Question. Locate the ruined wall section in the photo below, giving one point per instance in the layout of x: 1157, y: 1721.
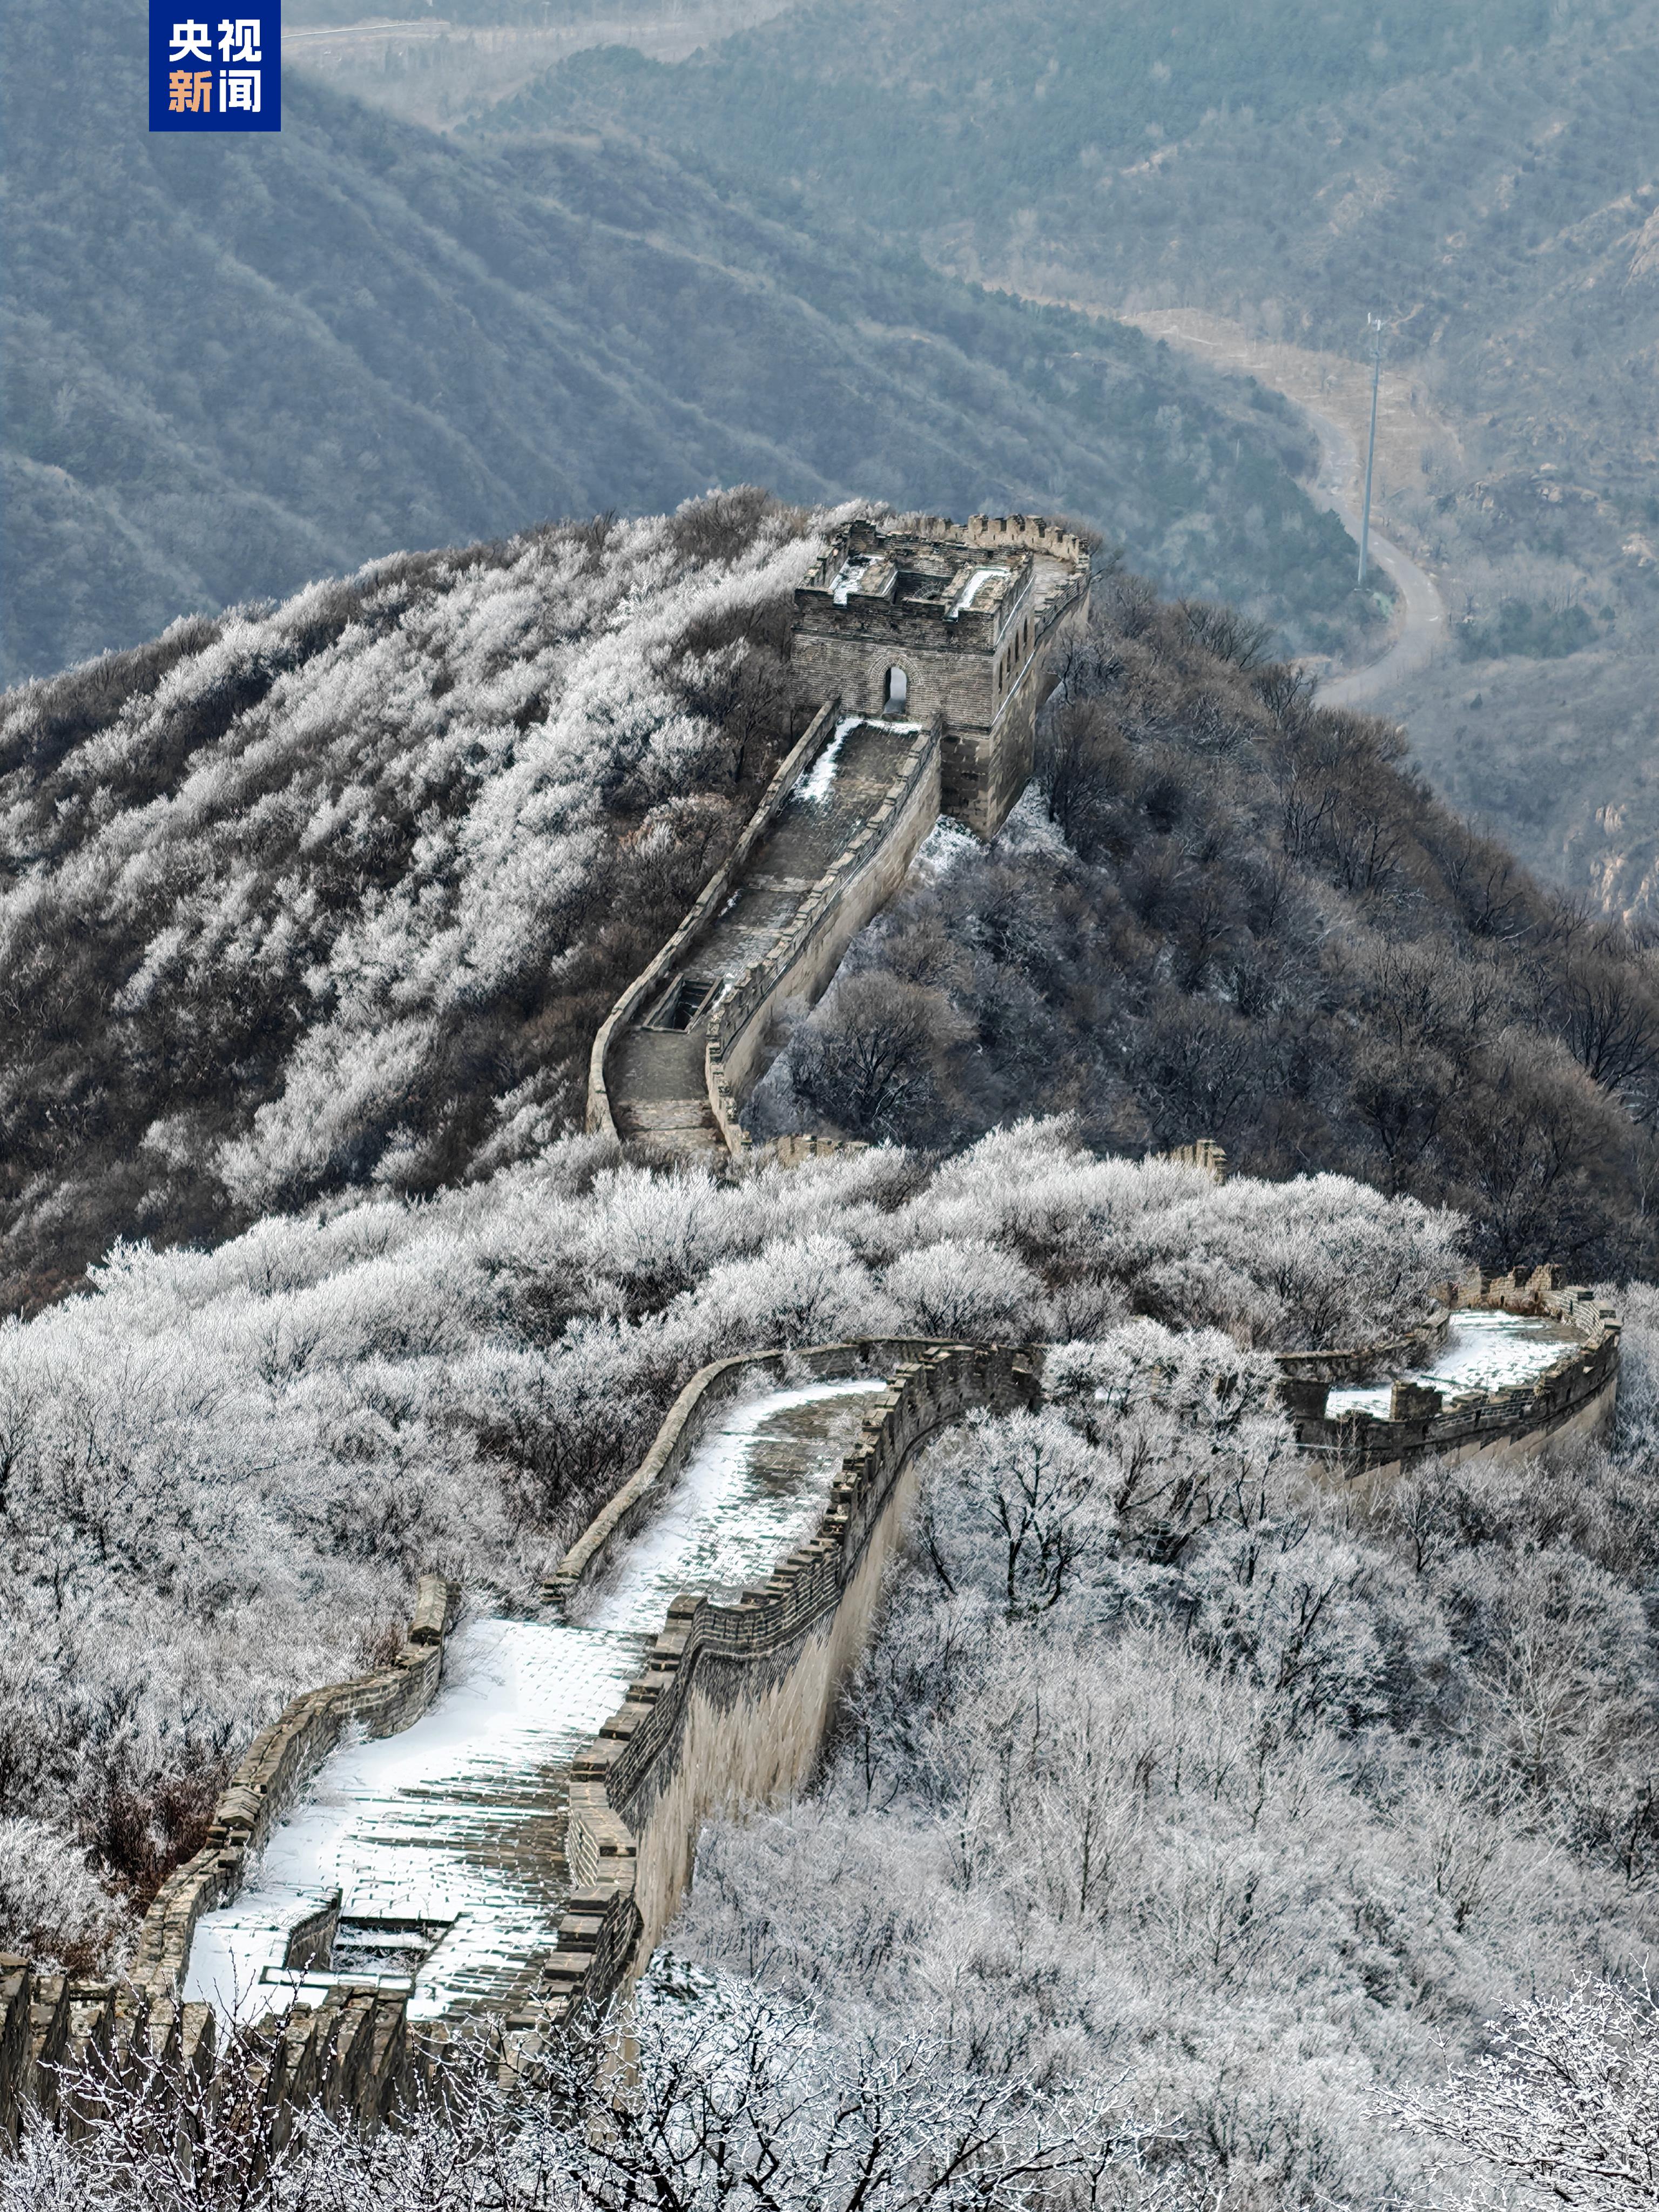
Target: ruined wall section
x: 735, y: 1701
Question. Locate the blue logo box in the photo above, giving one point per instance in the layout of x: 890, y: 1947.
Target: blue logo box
x: 213, y: 72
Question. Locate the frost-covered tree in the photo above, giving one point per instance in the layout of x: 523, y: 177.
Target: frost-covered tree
x: 1562, y: 2110
x: 722, y: 2101
x: 220, y: 1471
x: 333, y: 896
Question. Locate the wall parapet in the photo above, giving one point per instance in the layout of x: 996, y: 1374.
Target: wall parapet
x: 1575, y: 1395
x: 1359, y: 1362
x: 600, y: 1121
x: 818, y: 919
x: 61, y: 2040
x: 272, y: 1772
x: 627, y: 1771
x: 1036, y: 533
x: 352, y: 2051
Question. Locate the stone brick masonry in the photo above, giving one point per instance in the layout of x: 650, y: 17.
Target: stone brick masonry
x: 970, y: 618
x: 1575, y: 1396
x: 352, y: 2050
x: 730, y: 1708
x: 933, y: 644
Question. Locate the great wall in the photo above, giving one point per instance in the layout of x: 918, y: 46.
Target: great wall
x: 932, y: 646
x: 496, y: 1828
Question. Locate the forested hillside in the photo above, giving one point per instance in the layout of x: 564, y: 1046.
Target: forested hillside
x: 1189, y: 1805
x: 1485, y: 179
x: 225, y: 1470
x: 880, y: 106
x: 1224, y: 909
x: 336, y: 897
x: 1239, y: 1807
x: 233, y: 365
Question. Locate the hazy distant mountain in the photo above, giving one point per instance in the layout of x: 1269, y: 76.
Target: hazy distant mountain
x: 233, y: 364
x: 1003, y: 120
x: 1485, y: 178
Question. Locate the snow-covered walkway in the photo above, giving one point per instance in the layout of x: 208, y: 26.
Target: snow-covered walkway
x: 1482, y: 1351
x: 446, y: 1842
x: 658, y: 1082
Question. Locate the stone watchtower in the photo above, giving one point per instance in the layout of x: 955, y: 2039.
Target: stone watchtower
x: 919, y: 618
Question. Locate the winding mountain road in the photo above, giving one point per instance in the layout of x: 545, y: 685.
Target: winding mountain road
x: 1423, y: 627
x: 1295, y: 374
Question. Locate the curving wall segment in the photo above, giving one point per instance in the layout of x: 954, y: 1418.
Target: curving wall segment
x: 806, y: 948
x: 353, y: 2050
x: 831, y: 843
x: 1572, y: 1395
x: 601, y: 1119
x: 735, y: 1701
x: 752, y: 1688
x: 730, y: 1708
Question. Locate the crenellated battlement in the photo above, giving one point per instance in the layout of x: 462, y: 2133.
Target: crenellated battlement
x: 958, y: 625
x: 1574, y: 1395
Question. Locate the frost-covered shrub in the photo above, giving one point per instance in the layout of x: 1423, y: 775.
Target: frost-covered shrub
x: 1179, y: 1771
x: 729, y: 2100
x: 50, y: 1903
x: 224, y: 1469
x: 1560, y: 2111
x: 1339, y: 1265
x: 964, y: 1287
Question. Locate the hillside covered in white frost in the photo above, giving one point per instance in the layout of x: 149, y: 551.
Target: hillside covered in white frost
x: 336, y: 893
x: 1185, y: 1799
x: 224, y: 1469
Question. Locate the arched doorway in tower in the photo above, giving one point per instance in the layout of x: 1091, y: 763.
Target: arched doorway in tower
x: 896, y: 692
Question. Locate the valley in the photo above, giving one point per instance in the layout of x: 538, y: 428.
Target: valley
x: 829, y: 1223
x: 1333, y: 393
x: 1487, y: 184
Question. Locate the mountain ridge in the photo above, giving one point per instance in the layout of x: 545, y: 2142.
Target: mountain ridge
x: 258, y: 361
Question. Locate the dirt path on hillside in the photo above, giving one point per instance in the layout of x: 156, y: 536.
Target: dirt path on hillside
x: 1334, y: 393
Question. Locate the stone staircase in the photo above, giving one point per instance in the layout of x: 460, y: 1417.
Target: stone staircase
x: 657, y: 1076
x: 660, y: 1097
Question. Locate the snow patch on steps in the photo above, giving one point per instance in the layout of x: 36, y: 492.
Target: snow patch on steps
x: 460, y: 1819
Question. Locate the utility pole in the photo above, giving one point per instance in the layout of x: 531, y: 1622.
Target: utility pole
x: 1370, y: 451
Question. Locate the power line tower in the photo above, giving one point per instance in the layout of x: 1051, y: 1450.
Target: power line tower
x: 1372, y: 323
